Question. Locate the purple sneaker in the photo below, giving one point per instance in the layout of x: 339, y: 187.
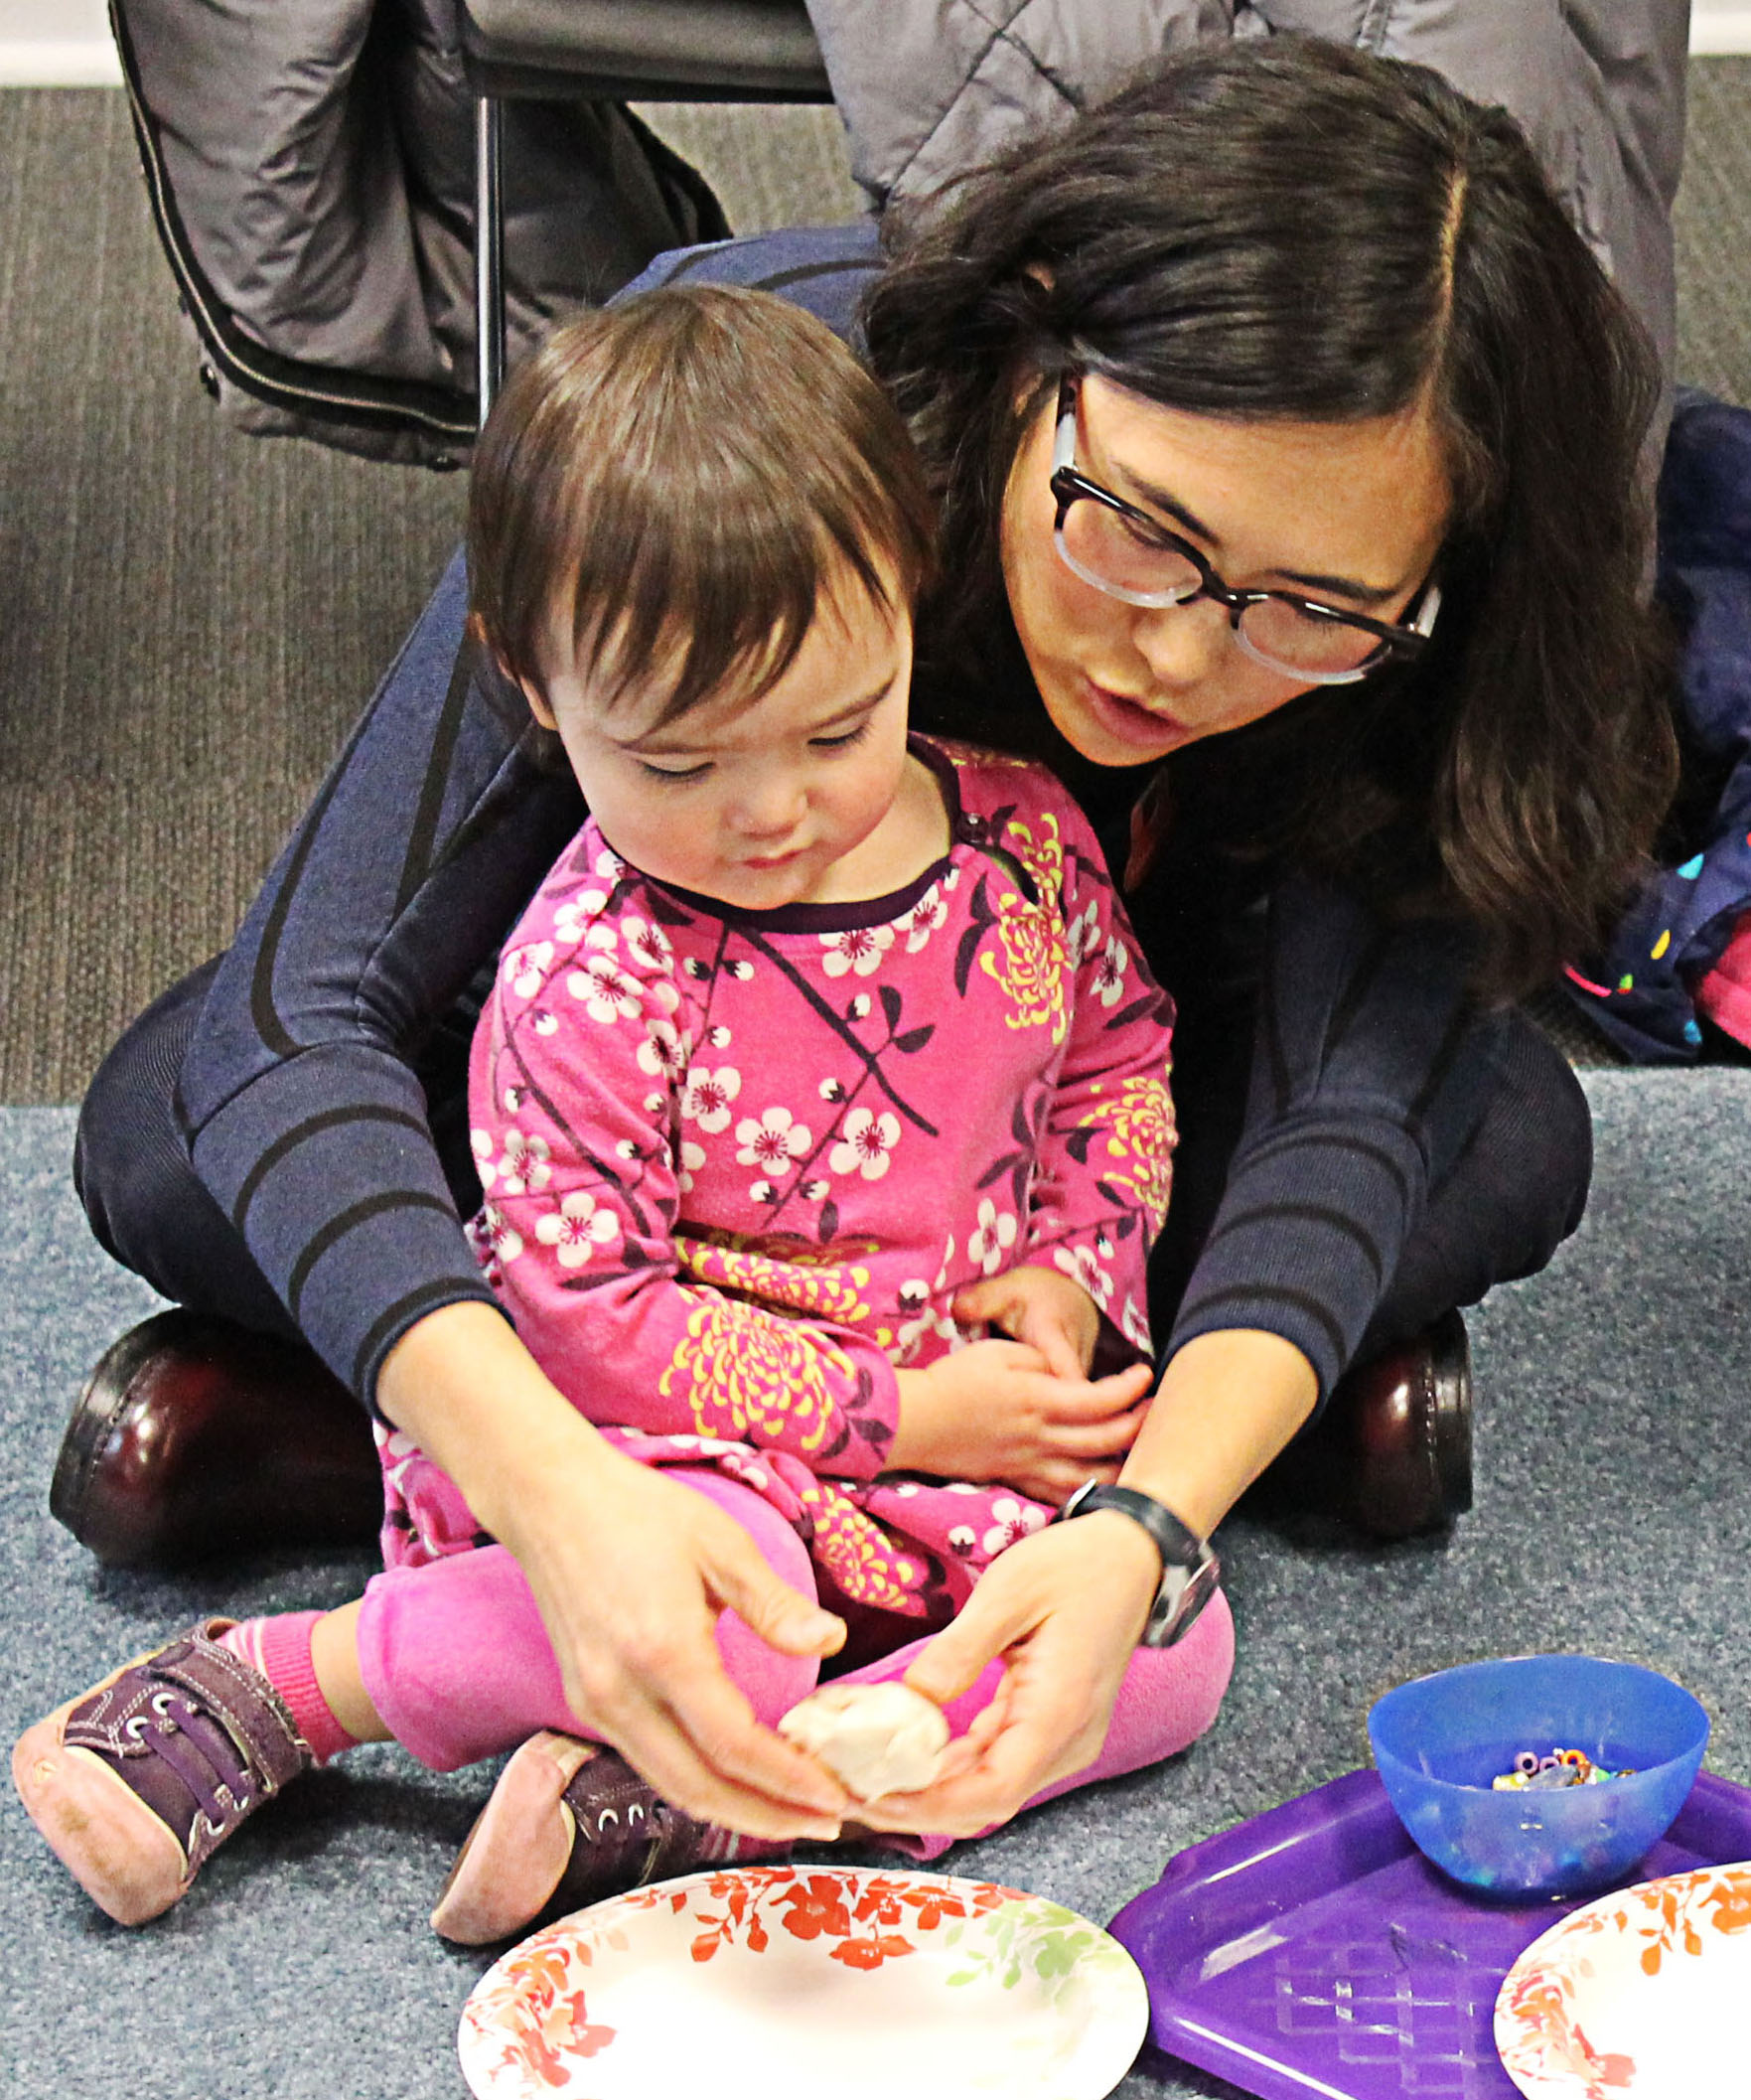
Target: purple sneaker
x: 136, y: 1782
x: 568, y: 1824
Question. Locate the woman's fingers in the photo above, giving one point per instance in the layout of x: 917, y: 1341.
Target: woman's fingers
x: 709, y: 1756
x: 743, y: 1583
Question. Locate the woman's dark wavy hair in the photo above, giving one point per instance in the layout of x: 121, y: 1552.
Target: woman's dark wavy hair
x: 1291, y: 229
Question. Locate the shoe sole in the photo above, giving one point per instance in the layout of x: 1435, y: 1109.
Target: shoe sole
x: 125, y: 1859
x: 517, y: 1854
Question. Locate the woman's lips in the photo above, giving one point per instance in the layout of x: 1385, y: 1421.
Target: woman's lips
x: 1131, y: 722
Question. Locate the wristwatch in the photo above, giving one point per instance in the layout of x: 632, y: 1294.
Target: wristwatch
x: 1190, y: 1570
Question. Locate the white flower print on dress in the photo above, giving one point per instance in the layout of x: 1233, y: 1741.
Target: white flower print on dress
x: 691, y: 1160
x: 664, y: 1052
x: 992, y: 1237
x: 916, y: 1298
x: 522, y: 1166
x: 576, y: 1228
x: 607, y: 993
x: 858, y: 948
x: 773, y: 1142
x: 525, y: 969
x: 708, y: 1095
x: 1080, y: 934
x: 648, y: 945
x: 1110, y: 973
x: 578, y: 912
x: 918, y: 925
x: 494, y: 1236
x: 1135, y: 1326
x: 1012, y: 1520
x: 1079, y: 1263
x: 865, y: 1141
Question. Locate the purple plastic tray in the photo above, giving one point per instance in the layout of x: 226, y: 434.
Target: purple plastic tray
x: 1313, y: 1951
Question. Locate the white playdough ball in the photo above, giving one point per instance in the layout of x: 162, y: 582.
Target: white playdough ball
x: 875, y: 1739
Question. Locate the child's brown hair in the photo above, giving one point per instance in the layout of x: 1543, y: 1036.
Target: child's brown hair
x: 674, y: 481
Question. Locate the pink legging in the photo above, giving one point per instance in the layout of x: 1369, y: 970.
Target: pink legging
x: 458, y: 1663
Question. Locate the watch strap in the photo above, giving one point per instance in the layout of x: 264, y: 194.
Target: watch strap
x: 1189, y: 1569
x: 1179, y: 1545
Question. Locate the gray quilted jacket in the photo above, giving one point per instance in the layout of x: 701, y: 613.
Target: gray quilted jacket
x: 310, y: 162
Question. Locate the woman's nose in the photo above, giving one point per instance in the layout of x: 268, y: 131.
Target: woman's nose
x: 1183, y: 645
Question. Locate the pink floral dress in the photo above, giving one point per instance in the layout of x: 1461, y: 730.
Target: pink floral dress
x: 737, y: 1164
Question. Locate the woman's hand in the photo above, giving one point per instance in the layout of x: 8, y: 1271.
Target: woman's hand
x: 629, y: 1572
x: 997, y: 1411
x: 1064, y: 1608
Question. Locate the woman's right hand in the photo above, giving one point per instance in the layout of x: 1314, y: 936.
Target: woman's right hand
x: 629, y: 1572
x: 996, y: 1410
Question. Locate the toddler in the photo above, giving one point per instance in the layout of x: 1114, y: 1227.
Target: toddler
x: 822, y: 1049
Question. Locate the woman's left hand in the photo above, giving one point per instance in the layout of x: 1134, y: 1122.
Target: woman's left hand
x: 1064, y: 1608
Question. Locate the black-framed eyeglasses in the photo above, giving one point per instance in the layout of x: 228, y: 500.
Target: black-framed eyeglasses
x: 1132, y: 556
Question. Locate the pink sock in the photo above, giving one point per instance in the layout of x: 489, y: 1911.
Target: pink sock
x: 280, y: 1648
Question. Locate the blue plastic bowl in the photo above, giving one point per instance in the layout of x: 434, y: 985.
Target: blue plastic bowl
x: 1439, y: 1740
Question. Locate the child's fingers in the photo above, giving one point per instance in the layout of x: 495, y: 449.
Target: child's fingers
x: 1052, y: 1340
x: 1083, y: 1400
x: 1110, y: 1437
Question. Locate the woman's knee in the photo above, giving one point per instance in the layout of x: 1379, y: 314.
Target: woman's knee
x: 1530, y: 1166
x: 130, y: 1163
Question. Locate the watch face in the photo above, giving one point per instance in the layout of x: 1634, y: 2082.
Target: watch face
x: 1183, y: 1594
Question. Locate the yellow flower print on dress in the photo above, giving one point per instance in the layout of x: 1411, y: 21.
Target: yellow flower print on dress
x: 830, y: 1292
x: 1032, y: 967
x: 1136, y: 1153
x: 859, y: 1555
x: 1043, y: 858
x: 752, y: 1376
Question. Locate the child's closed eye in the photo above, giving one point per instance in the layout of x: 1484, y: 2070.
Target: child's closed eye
x: 845, y: 738
x: 673, y: 773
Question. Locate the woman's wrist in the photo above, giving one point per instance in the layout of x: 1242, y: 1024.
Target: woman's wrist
x: 1226, y: 1405
x: 463, y: 1386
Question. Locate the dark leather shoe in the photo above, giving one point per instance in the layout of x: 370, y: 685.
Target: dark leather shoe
x: 193, y: 1436
x: 1392, y: 1453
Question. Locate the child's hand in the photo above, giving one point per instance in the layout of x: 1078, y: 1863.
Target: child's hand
x: 996, y: 1410
x: 1043, y: 1307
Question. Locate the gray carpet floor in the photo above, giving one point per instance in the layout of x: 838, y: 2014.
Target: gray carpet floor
x: 1613, y: 1511
x: 192, y: 620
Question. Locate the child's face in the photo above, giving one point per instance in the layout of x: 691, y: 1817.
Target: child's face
x: 753, y: 803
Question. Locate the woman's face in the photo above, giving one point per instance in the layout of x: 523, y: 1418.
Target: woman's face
x: 1352, y: 514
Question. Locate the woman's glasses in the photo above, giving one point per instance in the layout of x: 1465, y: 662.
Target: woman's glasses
x: 1130, y: 555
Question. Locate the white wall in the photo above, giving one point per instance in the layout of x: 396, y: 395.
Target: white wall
x: 66, y: 43
x: 1720, y: 25
x: 55, y: 44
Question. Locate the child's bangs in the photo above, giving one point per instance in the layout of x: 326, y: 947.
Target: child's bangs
x: 714, y: 603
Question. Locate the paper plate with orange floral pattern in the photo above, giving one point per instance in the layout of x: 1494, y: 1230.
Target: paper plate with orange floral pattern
x: 790, y: 1983
x: 1639, y: 1996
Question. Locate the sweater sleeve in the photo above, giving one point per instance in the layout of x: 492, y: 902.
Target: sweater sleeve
x: 299, y: 1095
x: 582, y: 1089
x: 1370, y: 1068
x: 1103, y: 1165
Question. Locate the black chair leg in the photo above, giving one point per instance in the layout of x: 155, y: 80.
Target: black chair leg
x: 488, y: 255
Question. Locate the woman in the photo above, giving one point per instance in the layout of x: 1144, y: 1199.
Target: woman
x: 1292, y: 537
